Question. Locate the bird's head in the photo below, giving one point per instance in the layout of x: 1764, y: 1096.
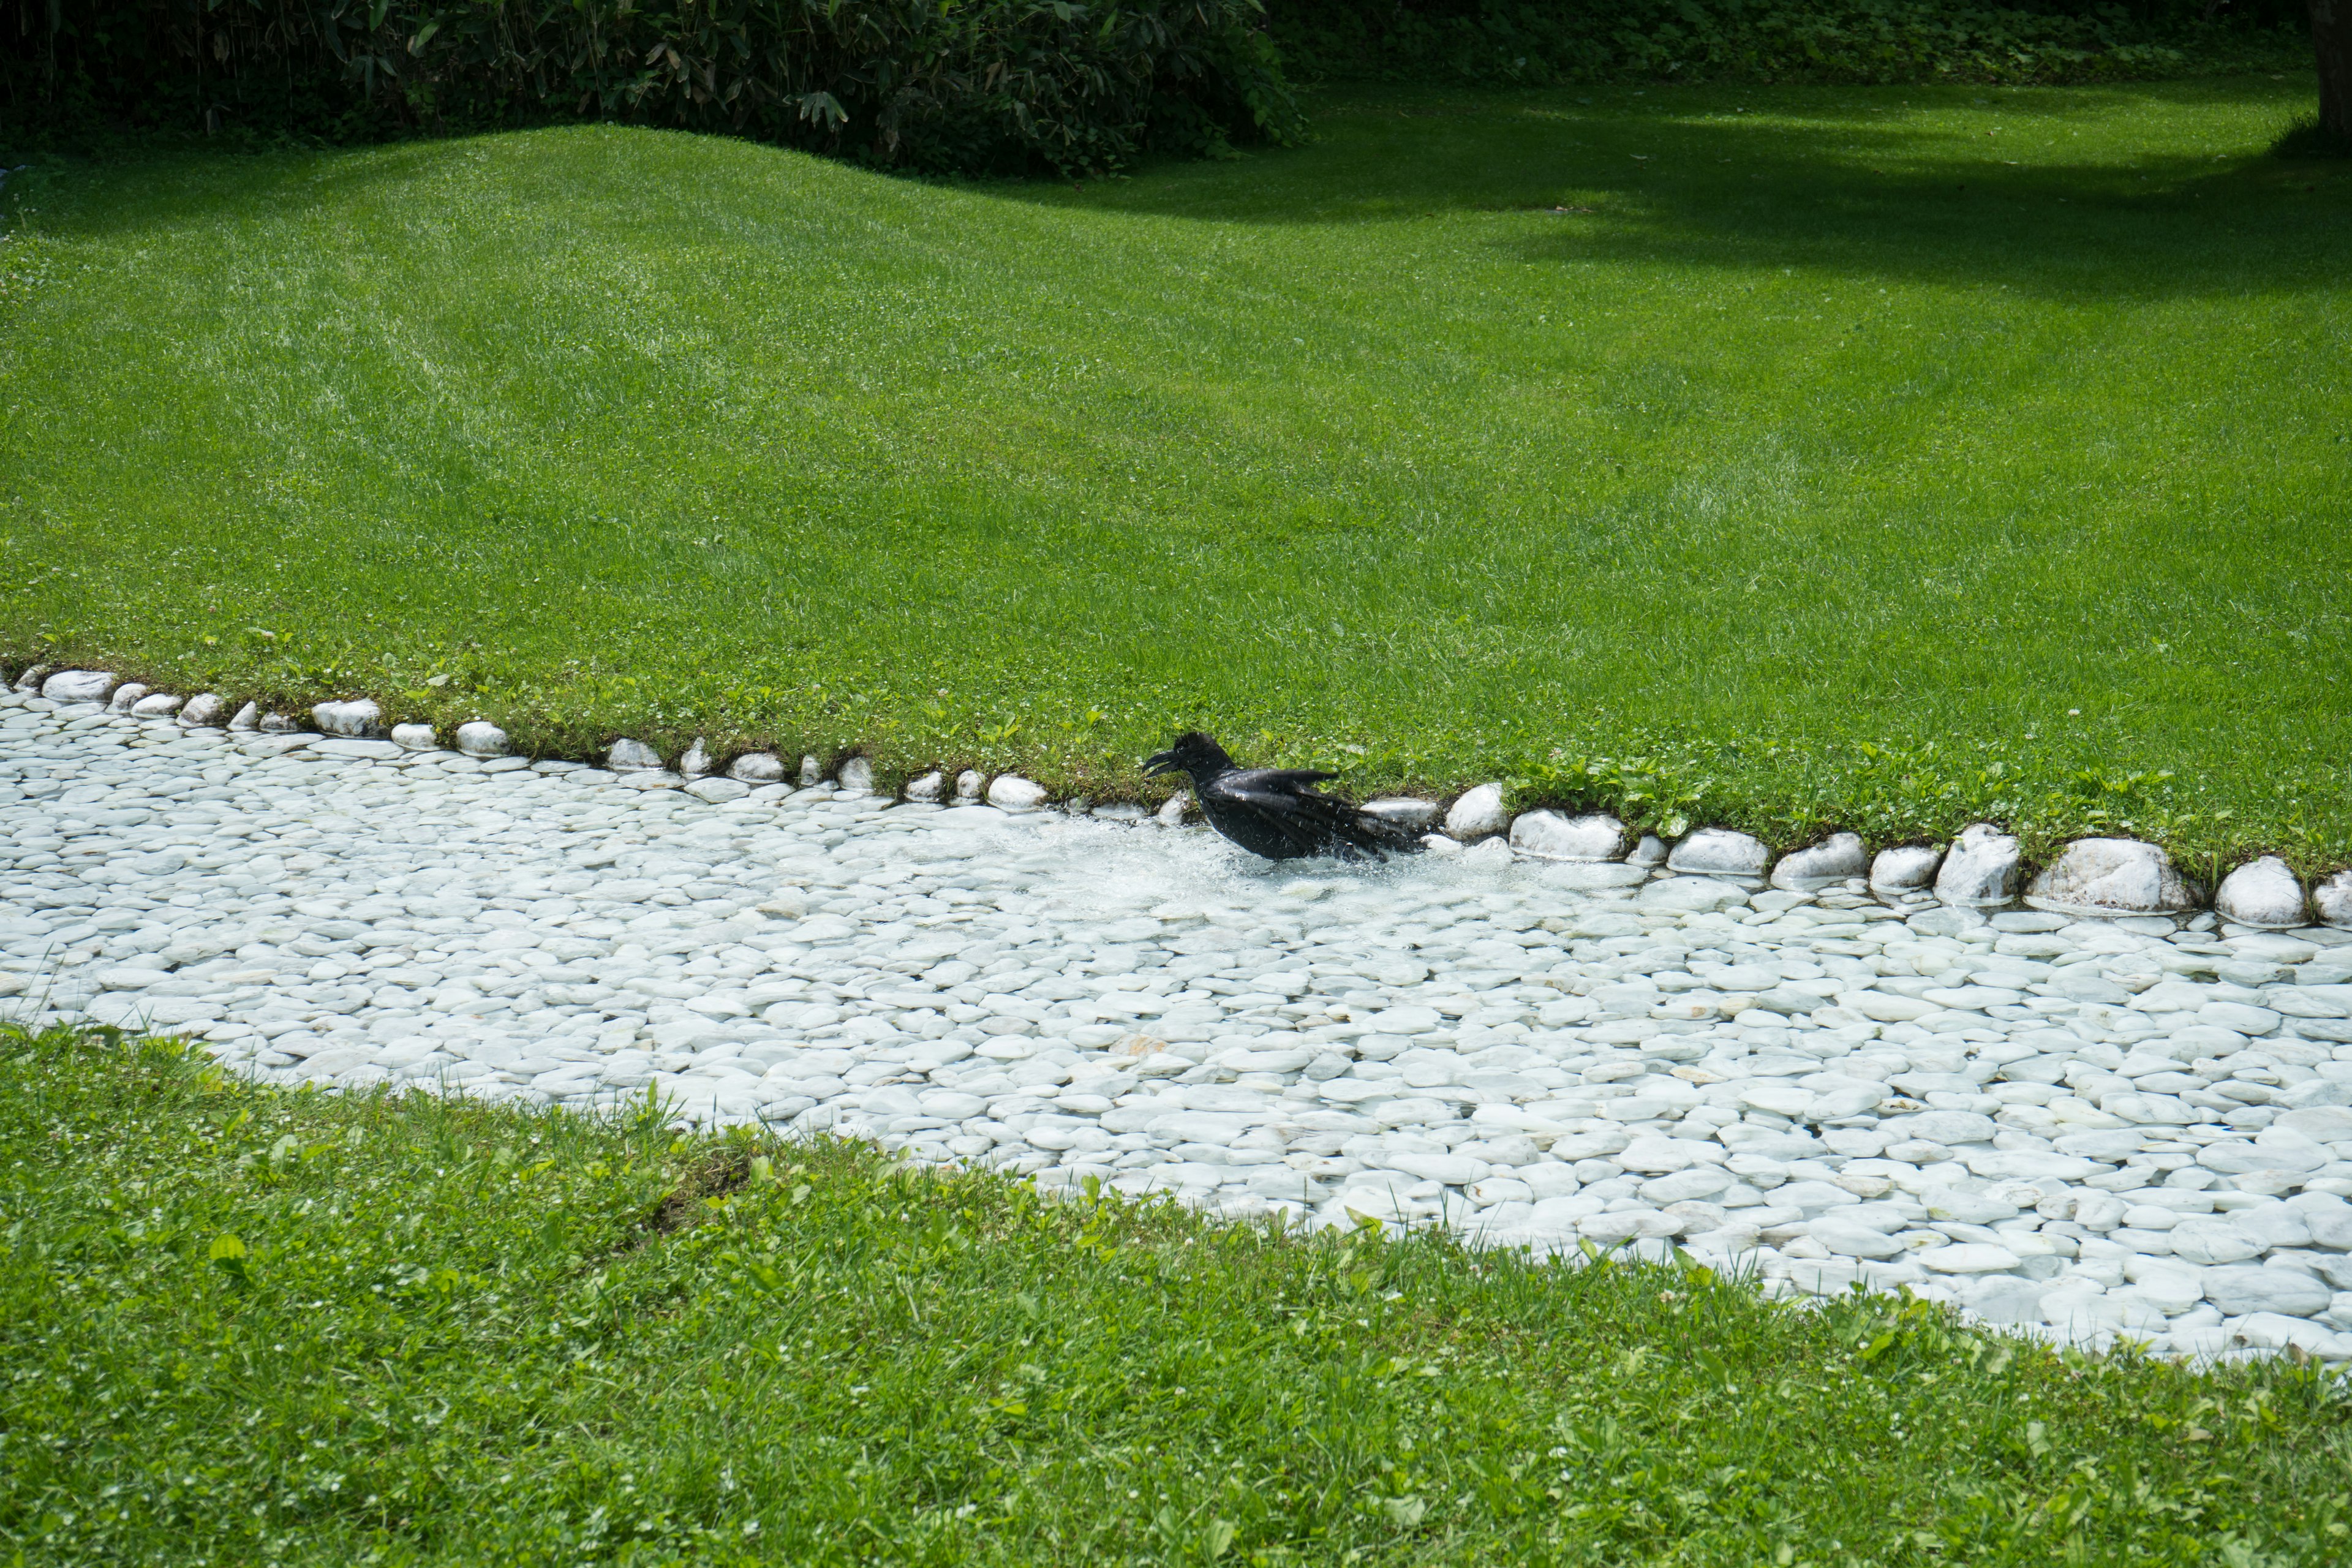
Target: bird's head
x: 1192, y: 753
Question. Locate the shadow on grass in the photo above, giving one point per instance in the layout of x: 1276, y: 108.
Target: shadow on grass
x: 1886, y: 183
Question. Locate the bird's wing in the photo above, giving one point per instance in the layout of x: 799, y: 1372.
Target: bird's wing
x: 1312, y: 823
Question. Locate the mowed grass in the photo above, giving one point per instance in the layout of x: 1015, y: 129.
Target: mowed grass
x: 249, y: 1327
x: 1878, y: 457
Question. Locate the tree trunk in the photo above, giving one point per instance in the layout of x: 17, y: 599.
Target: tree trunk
x: 2331, y: 37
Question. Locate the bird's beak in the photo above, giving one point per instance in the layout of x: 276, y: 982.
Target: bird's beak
x: 1159, y: 762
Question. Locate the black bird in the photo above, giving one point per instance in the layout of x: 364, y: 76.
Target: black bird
x: 1271, y: 812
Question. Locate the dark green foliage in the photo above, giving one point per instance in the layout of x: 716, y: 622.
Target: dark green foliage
x: 969, y: 86
x: 241, y: 1327
x: 1540, y: 42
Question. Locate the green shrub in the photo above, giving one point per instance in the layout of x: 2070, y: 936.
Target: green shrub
x: 1536, y: 42
x: 965, y: 86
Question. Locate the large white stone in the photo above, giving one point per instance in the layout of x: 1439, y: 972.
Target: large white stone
x: 2239, y: 1288
x: 1980, y: 868
x: 1010, y: 792
x: 33, y: 677
x: 1549, y: 836
x: 1906, y: 869
x: 1720, y: 852
x: 246, y: 717
x: 756, y: 768
x: 929, y: 786
x: 480, y: 738
x: 205, y: 710
x: 2112, y: 876
x: 78, y: 685
x: 2332, y: 898
x: 694, y: 764
x: 1479, y: 814
x: 126, y: 696
x: 811, y: 772
x: 627, y: 756
x: 2264, y: 892
x: 414, y: 737
x: 157, y: 705
x: 1836, y: 858
x: 359, y: 718
x: 856, y: 776
x: 1403, y: 810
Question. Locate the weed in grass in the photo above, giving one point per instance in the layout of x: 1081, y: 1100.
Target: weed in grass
x: 245, y: 1325
x: 1862, y: 457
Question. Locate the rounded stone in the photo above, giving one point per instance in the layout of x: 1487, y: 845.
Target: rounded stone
x: 1837, y: 859
x: 1906, y: 869
x: 1720, y: 852
x: 156, y: 705
x: 929, y: 786
x: 1403, y: 810
x: 2265, y: 893
x: 2112, y: 876
x: 480, y: 738
x: 856, y: 776
x: 1479, y: 814
x: 756, y: 768
x: 694, y: 764
x: 627, y: 756
x: 1979, y: 871
x: 414, y: 737
x: 2332, y: 898
x: 359, y: 718
x: 78, y: 685
x: 205, y: 710
x: 126, y: 696
x: 1549, y: 836
x: 811, y: 772
x: 968, y: 785
x: 1010, y: 792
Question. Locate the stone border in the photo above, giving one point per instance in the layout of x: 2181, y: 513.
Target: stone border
x: 1981, y: 870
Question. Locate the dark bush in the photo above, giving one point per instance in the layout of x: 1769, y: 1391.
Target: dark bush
x: 1534, y: 42
x: 967, y: 86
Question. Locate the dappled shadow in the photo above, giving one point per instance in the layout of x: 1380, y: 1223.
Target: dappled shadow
x: 2040, y: 191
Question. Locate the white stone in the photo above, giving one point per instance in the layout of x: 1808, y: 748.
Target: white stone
x: 205, y: 710
x: 246, y: 717
x: 1549, y: 836
x: 856, y: 776
x: 811, y: 772
x: 1010, y: 792
x: 1837, y: 859
x: 125, y: 697
x: 929, y: 786
x: 1980, y: 869
x: 2235, y: 1289
x: 968, y: 785
x: 359, y: 718
x: 1720, y: 852
x: 1689, y: 895
x: 78, y: 685
x: 1403, y: 810
x: 2263, y: 893
x: 693, y: 765
x: 1968, y: 1257
x: 2112, y: 876
x: 1479, y: 814
x: 627, y: 756
x: 1172, y: 811
x: 157, y: 705
x: 32, y: 677
x: 480, y: 738
x: 756, y: 768
x: 1906, y: 868
x: 414, y: 737
x: 2331, y: 898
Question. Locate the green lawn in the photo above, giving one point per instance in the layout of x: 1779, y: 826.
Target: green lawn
x: 1875, y: 456
x: 248, y: 1327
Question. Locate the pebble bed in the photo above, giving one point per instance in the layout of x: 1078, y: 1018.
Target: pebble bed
x: 2088, y: 1128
